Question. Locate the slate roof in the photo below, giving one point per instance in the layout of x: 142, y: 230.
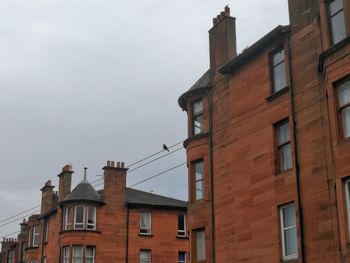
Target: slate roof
x: 83, y: 192
x: 203, y: 83
x: 139, y: 198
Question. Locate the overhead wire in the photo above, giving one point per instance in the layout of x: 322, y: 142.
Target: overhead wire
x: 97, y: 180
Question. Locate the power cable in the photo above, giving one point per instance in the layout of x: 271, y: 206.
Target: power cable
x: 97, y: 180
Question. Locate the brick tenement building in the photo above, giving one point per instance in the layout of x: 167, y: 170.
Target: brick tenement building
x: 116, y: 224
x: 268, y: 145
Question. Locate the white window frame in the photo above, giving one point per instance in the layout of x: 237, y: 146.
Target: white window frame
x: 93, y: 254
x: 198, y: 182
x: 79, y: 258
x: 68, y: 218
x: 147, y: 252
x: 75, y: 218
x: 91, y: 226
x: 36, y: 234
x: 181, y: 232
x: 146, y: 230
x: 182, y: 261
x: 283, y: 229
x: 197, y: 115
x: 66, y: 254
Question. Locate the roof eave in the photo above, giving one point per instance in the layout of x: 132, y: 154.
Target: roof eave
x: 266, y: 40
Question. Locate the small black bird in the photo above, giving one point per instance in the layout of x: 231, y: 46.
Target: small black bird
x: 165, y: 148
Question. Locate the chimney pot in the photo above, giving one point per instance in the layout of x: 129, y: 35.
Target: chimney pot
x: 122, y: 164
x: 227, y: 10
x: 67, y: 168
x: 112, y: 164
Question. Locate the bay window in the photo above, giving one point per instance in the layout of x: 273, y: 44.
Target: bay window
x: 84, y: 217
x: 198, y: 180
x: 197, y: 117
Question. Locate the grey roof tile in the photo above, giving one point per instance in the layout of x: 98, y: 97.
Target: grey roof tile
x: 83, y: 192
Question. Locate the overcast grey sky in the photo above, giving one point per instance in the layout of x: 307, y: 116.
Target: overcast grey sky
x: 85, y: 81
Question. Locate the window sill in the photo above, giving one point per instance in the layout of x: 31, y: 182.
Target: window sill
x: 145, y: 235
x: 80, y: 230
x: 292, y: 260
x: 277, y: 94
x: 331, y: 51
x: 182, y: 237
x: 284, y: 172
x: 195, y: 137
x: 33, y: 247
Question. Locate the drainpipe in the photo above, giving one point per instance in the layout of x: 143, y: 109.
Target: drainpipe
x: 296, y: 157
x: 211, y: 175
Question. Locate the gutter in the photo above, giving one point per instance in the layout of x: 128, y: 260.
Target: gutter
x: 296, y: 156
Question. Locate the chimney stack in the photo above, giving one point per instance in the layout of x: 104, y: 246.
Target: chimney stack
x: 46, y: 197
x: 65, y: 182
x: 222, y: 40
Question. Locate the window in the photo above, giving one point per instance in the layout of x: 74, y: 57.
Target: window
x: 44, y: 259
x: 344, y: 108
x: 197, y: 117
x: 35, y: 238
x: 10, y: 256
x: 90, y: 255
x: 347, y: 200
x: 199, y: 236
x: 145, y: 256
x: 181, y: 225
x: 336, y: 21
x: 278, y: 71
x: 23, y: 252
x: 80, y: 254
x: 66, y: 254
x: 145, y: 223
x: 91, y: 218
x: 182, y: 257
x: 199, y: 180
x: 77, y: 254
x: 84, y: 217
x: 68, y: 218
x: 79, y: 217
x: 288, y: 232
x: 46, y: 233
x: 283, y: 146
x: 34, y: 261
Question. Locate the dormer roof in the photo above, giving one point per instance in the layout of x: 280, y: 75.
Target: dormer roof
x: 83, y: 192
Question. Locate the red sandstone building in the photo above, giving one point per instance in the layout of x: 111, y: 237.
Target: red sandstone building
x: 116, y: 224
x: 268, y: 145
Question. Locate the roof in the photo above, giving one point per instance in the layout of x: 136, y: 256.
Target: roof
x: 254, y: 49
x: 203, y: 83
x: 139, y: 198
x: 83, y: 192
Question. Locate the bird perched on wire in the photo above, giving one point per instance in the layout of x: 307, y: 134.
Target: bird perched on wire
x: 165, y: 148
